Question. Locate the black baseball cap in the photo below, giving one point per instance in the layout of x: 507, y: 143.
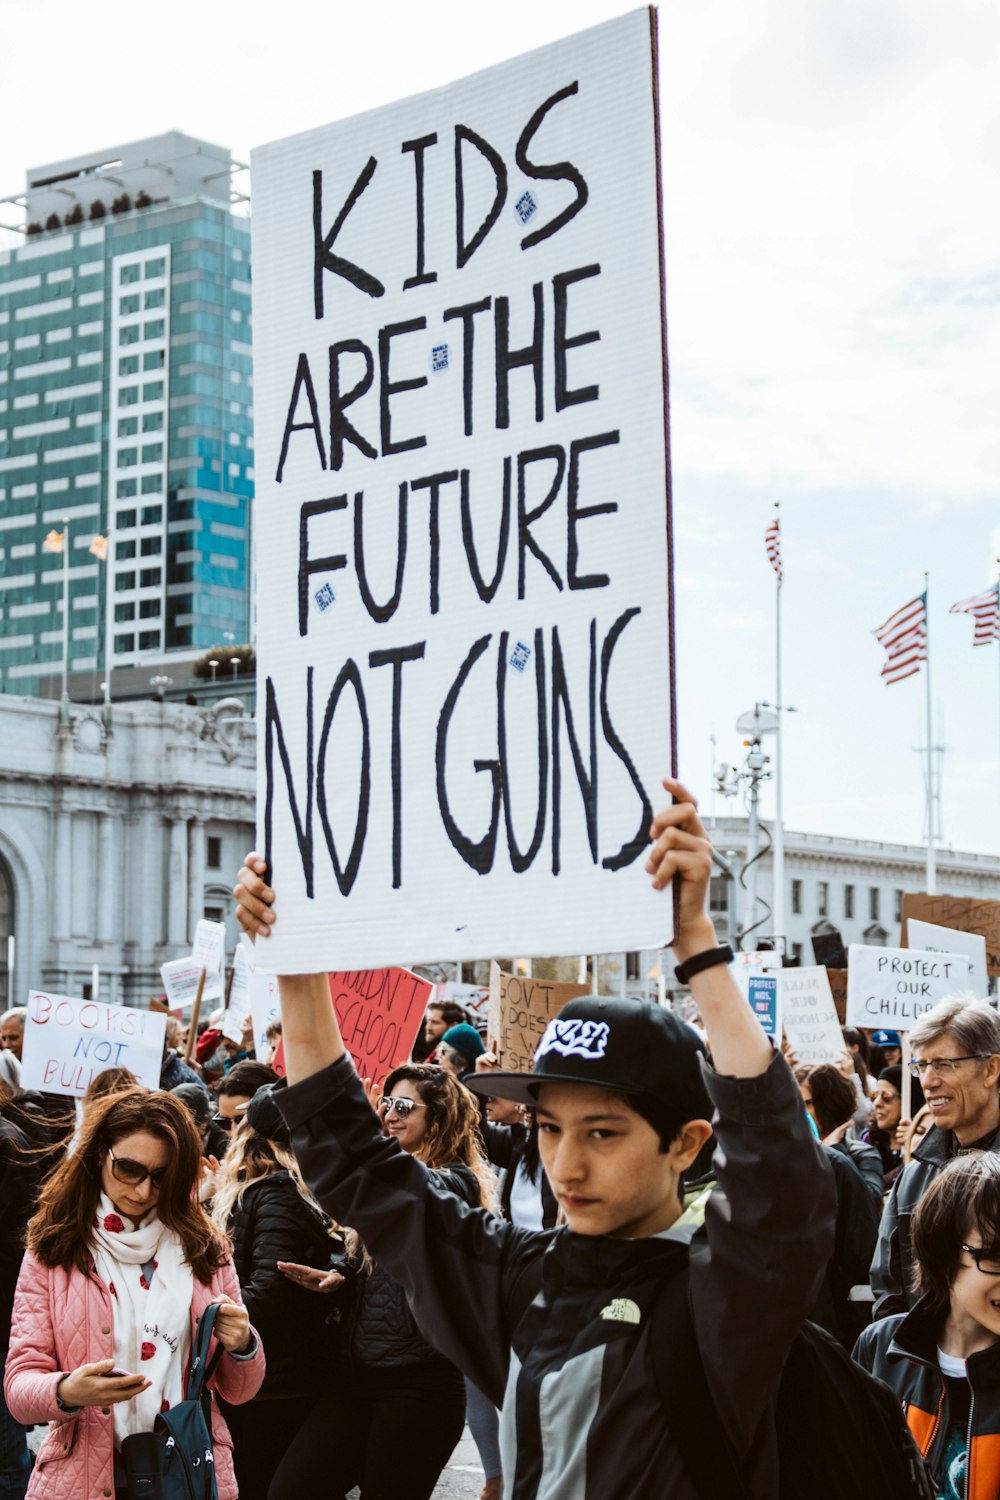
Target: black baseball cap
x: 631, y: 1046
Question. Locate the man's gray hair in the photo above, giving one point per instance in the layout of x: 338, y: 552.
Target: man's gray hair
x: 972, y: 1022
x: 16, y: 1013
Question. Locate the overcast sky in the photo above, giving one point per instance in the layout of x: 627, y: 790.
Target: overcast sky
x: 832, y: 211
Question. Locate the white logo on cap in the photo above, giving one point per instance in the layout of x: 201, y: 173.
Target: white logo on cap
x: 575, y: 1039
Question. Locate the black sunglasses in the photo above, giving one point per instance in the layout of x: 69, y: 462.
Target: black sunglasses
x: 123, y: 1169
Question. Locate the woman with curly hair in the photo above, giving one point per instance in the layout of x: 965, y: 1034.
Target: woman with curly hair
x: 121, y: 1262
x: 398, y: 1395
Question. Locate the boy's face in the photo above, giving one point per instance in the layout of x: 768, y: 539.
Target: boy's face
x: 604, y: 1161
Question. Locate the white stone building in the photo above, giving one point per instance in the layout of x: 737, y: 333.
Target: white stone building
x: 833, y: 884
x: 112, y: 846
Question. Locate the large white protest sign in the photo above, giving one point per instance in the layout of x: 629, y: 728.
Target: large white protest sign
x: 892, y: 987
x: 464, y: 592
x: 67, y: 1042
x: 809, y: 1016
x: 937, y: 939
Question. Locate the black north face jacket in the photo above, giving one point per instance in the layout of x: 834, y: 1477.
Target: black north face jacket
x: 555, y: 1327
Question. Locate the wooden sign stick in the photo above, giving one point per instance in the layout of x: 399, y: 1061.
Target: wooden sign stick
x: 195, y: 1011
x: 905, y: 1091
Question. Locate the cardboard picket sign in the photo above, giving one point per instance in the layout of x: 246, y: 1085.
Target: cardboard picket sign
x: 380, y: 1012
x: 893, y: 987
x: 525, y: 1008
x: 67, y: 1042
x: 465, y: 604
x: 935, y: 939
x: 809, y: 1016
x: 962, y: 913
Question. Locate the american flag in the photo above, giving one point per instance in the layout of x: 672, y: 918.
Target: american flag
x: 904, y: 636
x: 985, y: 610
x: 772, y: 541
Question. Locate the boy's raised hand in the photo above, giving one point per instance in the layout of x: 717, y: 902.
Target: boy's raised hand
x: 682, y: 851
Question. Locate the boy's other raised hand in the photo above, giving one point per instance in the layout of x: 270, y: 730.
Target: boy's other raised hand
x: 254, y: 897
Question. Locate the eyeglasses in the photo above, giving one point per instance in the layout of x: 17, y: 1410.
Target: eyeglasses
x: 987, y: 1259
x: 228, y: 1121
x: 403, y: 1107
x: 943, y: 1065
x: 123, y: 1169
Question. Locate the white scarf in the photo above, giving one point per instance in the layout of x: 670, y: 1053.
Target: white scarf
x: 152, y: 1319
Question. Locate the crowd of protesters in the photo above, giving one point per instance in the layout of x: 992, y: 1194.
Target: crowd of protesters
x: 525, y: 1253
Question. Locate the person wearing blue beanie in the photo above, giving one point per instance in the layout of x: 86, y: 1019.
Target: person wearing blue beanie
x: 458, y: 1049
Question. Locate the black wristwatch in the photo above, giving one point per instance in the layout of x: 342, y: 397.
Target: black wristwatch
x: 699, y: 961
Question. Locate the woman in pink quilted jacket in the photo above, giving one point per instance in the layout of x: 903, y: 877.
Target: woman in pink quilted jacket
x: 122, y: 1259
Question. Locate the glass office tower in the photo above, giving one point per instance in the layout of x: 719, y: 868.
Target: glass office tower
x: 125, y: 414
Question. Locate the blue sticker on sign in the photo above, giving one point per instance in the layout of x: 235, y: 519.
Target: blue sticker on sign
x: 324, y: 597
x: 439, y: 359
x: 519, y: 656
x: 526, y: 206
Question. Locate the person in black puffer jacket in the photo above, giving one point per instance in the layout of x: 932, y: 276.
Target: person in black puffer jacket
x: 262, y: 1205
x: 402, y: 1397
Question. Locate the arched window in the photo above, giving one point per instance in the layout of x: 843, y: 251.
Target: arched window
x: 6, y: 933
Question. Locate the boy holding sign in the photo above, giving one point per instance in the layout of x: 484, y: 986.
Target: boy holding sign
x: 623, y: 1097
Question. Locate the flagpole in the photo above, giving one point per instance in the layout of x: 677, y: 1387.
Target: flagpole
x: 65, y: 620
x: 997, y: 587
x: 107, y: 620
x: 778, y: 852
x: 931, y: 880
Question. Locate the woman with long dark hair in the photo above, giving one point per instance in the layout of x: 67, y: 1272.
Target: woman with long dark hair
x: 399, y: 1396
x: 121, y: 1262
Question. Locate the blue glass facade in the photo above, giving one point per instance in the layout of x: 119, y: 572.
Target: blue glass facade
x: 125, y: 408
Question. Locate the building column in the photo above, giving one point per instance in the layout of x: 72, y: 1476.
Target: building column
x: 62, y: 883
x: 105, y: 879
x: 177, y: 883
x: 196, y: 897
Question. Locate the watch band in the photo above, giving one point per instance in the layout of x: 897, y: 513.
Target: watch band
x: 700, y: 961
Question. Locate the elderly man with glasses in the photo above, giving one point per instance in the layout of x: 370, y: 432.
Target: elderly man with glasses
x: 956, y: 1056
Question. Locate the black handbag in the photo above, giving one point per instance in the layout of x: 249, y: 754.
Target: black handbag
x: 175, y: 1460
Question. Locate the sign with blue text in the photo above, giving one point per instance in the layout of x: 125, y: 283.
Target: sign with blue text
x: 67, y: 1042
x: 762, y: 992
x: 464, y: 596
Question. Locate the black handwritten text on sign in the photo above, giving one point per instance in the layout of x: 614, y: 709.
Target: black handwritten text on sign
x: 464, y: 590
